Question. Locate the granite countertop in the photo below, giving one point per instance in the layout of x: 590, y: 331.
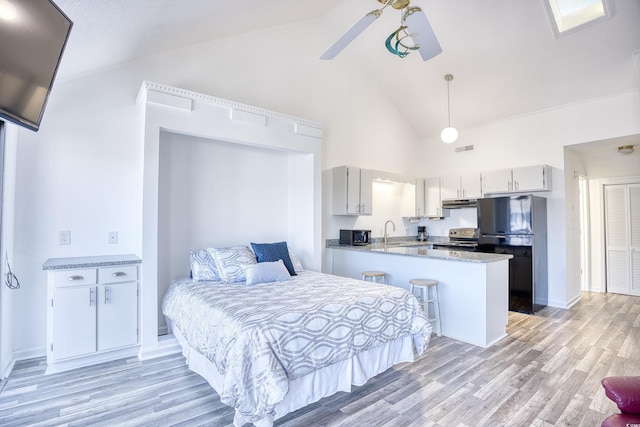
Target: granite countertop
x: 423, y: 250
x: 90, y: 261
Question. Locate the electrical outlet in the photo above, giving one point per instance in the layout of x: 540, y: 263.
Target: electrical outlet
x: 113, y: 237
x: 65, y: 237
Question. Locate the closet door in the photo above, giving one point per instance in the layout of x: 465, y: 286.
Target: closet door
x: 622, y: 238
x: 634, y: 222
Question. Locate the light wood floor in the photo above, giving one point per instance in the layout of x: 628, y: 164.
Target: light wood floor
x: 547, y: 372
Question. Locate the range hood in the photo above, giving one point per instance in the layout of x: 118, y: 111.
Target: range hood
x: 459, y: 203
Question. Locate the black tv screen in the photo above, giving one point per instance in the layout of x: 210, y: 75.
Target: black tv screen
x: 33, y: 35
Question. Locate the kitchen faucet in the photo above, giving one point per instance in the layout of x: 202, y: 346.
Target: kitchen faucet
x: 386, y: 234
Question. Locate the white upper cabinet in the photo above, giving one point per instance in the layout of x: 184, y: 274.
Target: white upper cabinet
x: 433, y: 198
x: 517, y: 180
x: 413, y: 199
x: 461, y: 186
x: 352, y: 191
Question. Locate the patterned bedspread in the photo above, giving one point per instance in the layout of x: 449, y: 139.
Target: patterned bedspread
x: 261, y: 336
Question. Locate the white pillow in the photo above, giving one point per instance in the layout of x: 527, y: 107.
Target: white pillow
x: 265, y: 272
x: 297, y: 265
x: 229, y: 262
x: 203, y: 267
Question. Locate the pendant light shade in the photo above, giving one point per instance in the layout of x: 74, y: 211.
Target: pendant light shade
x: 449, y: 134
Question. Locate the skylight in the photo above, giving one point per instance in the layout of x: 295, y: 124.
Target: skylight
x: 567, y: 15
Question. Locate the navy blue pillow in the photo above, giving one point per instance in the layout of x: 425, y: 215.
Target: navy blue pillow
x: 270, y: 252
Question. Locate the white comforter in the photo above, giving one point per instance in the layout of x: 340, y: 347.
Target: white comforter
x: 261, y: 336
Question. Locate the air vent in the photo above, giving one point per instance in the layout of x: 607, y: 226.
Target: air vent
x: 465, y: 148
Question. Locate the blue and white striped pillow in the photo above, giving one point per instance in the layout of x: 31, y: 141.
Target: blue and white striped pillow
x: 229, y: 262
x: 203, y: 267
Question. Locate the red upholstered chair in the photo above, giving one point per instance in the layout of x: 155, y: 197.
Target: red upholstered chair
x: 625, y: 392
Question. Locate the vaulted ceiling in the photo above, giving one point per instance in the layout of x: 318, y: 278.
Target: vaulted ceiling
x: 503, y: 54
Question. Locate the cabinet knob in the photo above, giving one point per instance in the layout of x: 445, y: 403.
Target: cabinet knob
x: 119, y: 274
x: 74, y: 278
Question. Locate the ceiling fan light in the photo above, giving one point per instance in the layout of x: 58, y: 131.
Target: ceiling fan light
x: 449, y: 135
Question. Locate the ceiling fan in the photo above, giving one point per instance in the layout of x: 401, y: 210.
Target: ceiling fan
x: 413, y: 25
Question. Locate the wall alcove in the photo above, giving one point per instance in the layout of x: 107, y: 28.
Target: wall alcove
x: 219, y: 173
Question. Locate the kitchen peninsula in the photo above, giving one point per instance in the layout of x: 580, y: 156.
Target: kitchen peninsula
x: 473, y: 287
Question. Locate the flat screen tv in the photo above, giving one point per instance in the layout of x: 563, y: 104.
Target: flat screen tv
x: 33, y: 35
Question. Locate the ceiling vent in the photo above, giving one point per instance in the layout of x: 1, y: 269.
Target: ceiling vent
x: 464, y: 148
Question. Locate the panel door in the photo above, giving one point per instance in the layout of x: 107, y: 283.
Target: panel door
x: 531, y: 178
x: 74, y: 321
x: 470, y: 186
x: 496, y: 182
x: 433, y: 197
x: 634, y: 223
x: 450, y: 187
x: 616, y: 239
x: 366, y: 192
x: 117, y: 315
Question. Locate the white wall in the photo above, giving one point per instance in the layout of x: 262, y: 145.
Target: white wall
x: 216, y: 194
x: 7, y: 295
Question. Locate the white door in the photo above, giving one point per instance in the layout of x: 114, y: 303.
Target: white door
x: 530, y: 178
x: 450, y: 187
x: 117, y: 315
x: 470, y: 186
x: 622, y: 238
x: 74, y: 321
x: 496, y: 181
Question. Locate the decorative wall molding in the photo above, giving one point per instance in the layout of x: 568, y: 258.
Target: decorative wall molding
x: 148, y: 87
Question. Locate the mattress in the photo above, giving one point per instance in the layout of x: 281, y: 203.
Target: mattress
x: 260, y: 339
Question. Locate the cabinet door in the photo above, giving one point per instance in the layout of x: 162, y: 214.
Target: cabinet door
x: 117, y: 315
x: 409, y: 198
x: 497, y: 181
x: 366, y: 192
x: 74, y: 321
x: 421, y: 198
x: 353, y: 191
x: 433, y: 199
x: 450, y: 187
x: 470, y: 186
x: 532, y: 178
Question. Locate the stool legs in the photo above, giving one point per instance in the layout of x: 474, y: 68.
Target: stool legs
x: 436, y: 309
x: 429, y: 294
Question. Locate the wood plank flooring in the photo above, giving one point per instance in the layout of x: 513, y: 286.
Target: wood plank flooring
x: 547, y: 372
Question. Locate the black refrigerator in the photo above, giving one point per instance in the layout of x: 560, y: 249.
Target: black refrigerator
x: 517, y: 225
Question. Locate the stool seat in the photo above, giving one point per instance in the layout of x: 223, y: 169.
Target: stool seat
x: 429, y: 294
x: 374, y: 276
x: 423, y: 282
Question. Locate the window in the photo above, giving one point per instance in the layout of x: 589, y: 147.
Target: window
x: 567, y: 15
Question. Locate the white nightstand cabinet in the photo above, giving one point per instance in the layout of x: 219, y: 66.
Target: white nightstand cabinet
x: 92, y: 310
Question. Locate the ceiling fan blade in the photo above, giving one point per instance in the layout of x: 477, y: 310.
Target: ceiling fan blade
x: 351, y: 34
x: 422, y: 33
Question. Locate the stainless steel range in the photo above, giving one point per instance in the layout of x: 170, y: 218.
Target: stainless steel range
x: 460, y: 239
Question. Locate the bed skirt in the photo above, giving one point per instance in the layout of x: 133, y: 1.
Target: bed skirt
x: 314, y: 385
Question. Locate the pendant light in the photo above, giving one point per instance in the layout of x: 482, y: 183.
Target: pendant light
x: 449, y: 134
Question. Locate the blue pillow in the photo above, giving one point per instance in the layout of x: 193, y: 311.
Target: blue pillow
x: 271, y: 252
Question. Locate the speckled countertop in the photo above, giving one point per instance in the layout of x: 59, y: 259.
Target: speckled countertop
x: 422, y: 250
x: 90, y: 261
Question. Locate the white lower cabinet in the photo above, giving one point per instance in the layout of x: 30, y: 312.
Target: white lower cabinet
x: 92, y: 313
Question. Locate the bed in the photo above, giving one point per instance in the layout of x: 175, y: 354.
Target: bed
x: 269, y: 347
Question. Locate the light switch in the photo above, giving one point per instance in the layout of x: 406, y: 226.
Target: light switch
x: 113, y: 237
x: 65, y: 237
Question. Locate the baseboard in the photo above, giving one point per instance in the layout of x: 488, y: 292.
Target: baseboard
x: 5, y: 371
x: 167, y: 345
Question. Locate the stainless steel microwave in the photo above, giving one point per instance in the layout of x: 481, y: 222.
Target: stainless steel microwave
x: 355, y: 237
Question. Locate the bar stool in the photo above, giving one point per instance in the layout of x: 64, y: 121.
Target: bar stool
x: 375, y: 276
x: 426, y: 287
